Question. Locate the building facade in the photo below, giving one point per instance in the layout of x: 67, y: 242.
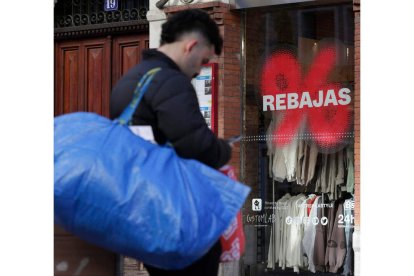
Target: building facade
x: 287, y: 81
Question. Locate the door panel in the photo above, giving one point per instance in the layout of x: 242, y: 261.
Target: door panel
x: 83, y: 78
x: 127, y: 53
x: 97, y: 75
x: 71, y: 84
x: 68, y: 86
x: 87, y: 69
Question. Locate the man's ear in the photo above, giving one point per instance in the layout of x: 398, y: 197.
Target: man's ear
x: 190, y: 45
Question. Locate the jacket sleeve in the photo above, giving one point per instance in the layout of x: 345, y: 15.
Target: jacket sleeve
x: 179, y: 118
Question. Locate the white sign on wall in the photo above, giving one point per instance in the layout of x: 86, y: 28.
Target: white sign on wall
x: 203, y: 85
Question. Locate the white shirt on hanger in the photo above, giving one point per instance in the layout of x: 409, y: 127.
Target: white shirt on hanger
x: 308, y: 241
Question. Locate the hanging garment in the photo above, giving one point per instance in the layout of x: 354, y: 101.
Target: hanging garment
x: 276, y: 232
x: 285, y: 233
x: 307, y: 155
x: 299, y: 162
x: 332, y: 191
x: 336, y: 246
x: 349, y: 229
x: 308, y: 241
x: 283, y: 164
x: 350, y: 170
x: 330, y: 175
x: 320, y: 236
x: 279, y: 170
x: 322, y: 181
x: 289, y: 237
x: 271, y: 253
x: 290, y: 154
x: 312, y: 157
x: 298, y: 212
x: 311, y: 199
x: 340, y: 173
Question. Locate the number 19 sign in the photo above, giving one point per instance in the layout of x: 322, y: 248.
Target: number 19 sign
x: 111, y: 5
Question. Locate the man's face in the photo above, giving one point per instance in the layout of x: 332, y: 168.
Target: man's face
x: 199, y: 55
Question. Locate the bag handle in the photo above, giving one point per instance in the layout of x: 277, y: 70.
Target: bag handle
x: 139, y: 92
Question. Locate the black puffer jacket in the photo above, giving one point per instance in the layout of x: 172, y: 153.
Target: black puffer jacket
x: 171, y: 107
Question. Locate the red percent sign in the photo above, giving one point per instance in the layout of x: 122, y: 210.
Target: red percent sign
x: 326, y: 123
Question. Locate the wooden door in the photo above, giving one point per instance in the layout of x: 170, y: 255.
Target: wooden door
x: 126, y: 53
x: 82, y: 76
x: 85, y: 71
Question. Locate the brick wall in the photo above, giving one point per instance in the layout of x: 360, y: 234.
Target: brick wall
x: 357, y: 113
x: 229, y: 99
x: 229, y: 94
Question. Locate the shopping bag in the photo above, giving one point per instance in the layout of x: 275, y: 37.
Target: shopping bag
x: 233, y: 239
x: 123, y: 193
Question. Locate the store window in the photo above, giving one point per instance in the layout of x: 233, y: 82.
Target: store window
x: 298, y: 151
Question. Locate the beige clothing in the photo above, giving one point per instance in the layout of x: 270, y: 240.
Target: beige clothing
x: 276, y: 232
x: 330, y: 174
x: 312, y: 159
x: 290, y: 155
x: 336, y: 245
x: 323, y: 173
x: 279, y: 170
x: 282, y: 159
x: 350, y: 169
x: 285, y: 229
x: 300, y: 161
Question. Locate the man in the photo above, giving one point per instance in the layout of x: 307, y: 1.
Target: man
x: 188, y: 40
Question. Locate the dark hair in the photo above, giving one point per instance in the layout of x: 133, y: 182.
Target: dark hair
x: 189, y: 21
